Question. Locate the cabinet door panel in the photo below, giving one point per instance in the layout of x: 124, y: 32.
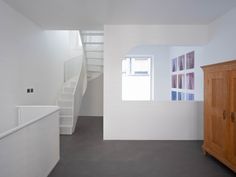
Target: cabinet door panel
x: 233, y: 117
x: 216, y: 111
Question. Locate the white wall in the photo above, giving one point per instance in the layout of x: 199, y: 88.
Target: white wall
x: 221, y: 46
x: 161, y: 64
x: 161, y: 120
x: 162, y: 67
x: 147, y: 120
x: 154, y: 121
x: 29, y: 58
x: 176, y: 51
x: 33, y: 148
x: 92, y: 103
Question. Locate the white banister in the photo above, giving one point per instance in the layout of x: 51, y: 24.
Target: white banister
x: 31, y: 149
x: 70, y: 99
x: 72, y: 68
x: 79, y: 92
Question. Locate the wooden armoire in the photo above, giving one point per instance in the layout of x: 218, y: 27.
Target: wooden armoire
x: 220, y: 112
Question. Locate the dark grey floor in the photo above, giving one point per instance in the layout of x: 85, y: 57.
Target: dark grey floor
x: 85, y: 154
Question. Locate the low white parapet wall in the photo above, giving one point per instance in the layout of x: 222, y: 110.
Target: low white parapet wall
x: 32, y: 148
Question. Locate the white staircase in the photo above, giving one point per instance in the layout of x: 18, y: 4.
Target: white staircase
x: 71, y: 94
x: 93, y: 43
x: 65, y: 101
x: 77, y: 71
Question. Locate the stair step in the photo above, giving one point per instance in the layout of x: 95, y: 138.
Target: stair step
x: 74, y: 79
x: 69, y: 85
x: 92, y: 38
x: 68, y: 89
x: 96, y: 65
x: 65, y: 129
x: 94, y: 58
x: 94, y: 54
x: 92, y: 47
x: 92, y: 33
x: 100, y: 51
x: 65, y: 125
x: 93, y: 75
x: 66, y: 120
x: 73, y: 84
x: 65, y: 111
x: 94, y: 68
x: 67, y: 96
x: 95, y: 62
x: 100, y: 43
x: 94, y: 72
x: 64, y: 103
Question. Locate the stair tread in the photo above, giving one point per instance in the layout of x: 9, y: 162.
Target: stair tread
x: 93, y: 43
x: 65, y: 125
x: 100, y: 51
x: 67, y: 115
x: 65, y: 100
x: 66, y: 93
x: 92, y: 34
x: 95, y: 71
x: 69, y: 86
x: 95, y: 59
x: 69, y: 100
x: 95, y: 64
x: 66, y: 107
x: 93, y: 51
x: 95, y: 67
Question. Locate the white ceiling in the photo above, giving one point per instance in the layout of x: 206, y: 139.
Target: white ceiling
x: 93, y: 14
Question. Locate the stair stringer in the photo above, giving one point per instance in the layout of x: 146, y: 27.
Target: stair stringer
x: 70, y: 99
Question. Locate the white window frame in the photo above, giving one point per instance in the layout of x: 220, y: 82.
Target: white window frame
x: 151, y: 74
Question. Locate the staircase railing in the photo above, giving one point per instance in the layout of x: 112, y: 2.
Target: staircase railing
x: 75, y: 77
x: 79, y: 92
x: 72, y: 67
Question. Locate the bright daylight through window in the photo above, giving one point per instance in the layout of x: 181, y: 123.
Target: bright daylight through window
x: 137, y: 79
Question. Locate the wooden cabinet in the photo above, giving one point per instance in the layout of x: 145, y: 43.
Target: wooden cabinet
x: 220, y: 112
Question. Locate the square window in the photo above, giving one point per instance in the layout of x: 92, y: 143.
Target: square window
x: 137, y: 79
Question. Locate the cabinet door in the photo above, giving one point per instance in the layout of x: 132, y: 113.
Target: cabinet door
x: 216, y: 103
x: 232, y: 146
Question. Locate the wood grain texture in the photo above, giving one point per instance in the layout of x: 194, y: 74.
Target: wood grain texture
x: 232, y: 122
x: 220, y: 112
